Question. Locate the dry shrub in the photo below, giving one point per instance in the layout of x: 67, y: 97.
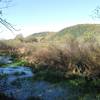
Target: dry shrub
x: 6, y: 49
x: 73, y: 56
x: 82, y: 58
x: 86, y: 59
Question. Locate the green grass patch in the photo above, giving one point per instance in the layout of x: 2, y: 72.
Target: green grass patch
x: 15, y: 63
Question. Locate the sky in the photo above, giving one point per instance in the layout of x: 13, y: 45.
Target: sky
x: 33, y: 16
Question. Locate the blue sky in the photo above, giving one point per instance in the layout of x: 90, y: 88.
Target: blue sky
x: 48, y: 15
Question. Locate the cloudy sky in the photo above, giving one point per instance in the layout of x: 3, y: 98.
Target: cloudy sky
x: 31, y: 16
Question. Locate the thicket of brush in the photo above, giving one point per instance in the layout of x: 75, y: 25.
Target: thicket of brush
x: 79, y: 56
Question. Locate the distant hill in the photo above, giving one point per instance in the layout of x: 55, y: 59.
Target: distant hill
x: 42, y: 36
x: 75, y: 31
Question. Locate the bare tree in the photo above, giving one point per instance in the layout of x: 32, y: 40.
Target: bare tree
x: 96, y: 13
x: 4, y: 4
